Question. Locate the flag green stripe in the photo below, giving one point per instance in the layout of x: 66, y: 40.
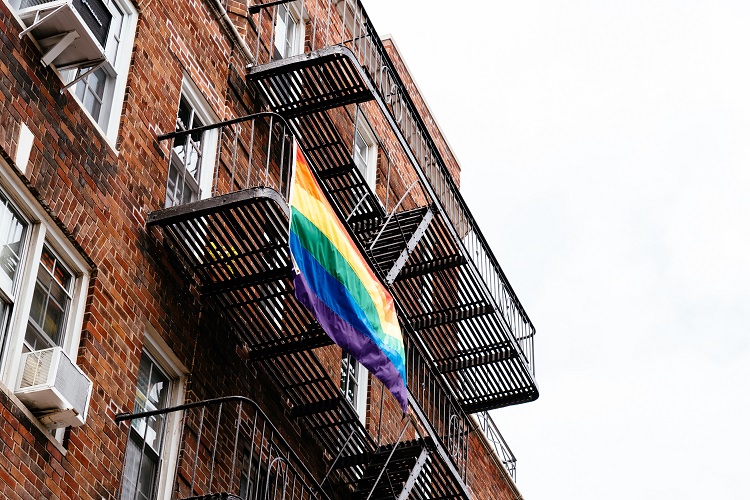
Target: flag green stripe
x: 331, y: 259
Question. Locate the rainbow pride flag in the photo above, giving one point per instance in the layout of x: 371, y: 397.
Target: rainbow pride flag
x: 338, y: 287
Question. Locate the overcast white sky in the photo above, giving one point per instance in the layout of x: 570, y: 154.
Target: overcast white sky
x: 605, y: 148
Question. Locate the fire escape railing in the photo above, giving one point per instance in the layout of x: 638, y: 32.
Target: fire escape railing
x: 229, y: 446
x: 444, y: 414
x: 346, y: 23
x: 497, y: 441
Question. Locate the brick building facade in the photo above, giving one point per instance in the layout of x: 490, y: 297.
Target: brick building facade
x: 156, y: 261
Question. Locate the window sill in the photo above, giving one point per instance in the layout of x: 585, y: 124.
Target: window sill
x: 36, y: 423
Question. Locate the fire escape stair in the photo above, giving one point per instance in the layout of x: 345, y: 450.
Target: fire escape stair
x: 392, y: 472
x: 236, y: 246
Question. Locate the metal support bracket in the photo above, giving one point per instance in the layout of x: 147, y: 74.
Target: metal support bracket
x: 98, y: 64
x: 58, y: 45
x: 38, y: 19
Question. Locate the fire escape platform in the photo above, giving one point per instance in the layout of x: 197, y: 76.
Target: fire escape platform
x: 236, y: 245
x: 462, y: 324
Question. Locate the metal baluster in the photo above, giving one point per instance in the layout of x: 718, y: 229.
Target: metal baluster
x: 268, y: 149
x: 213, y: 451
x: 197, y: 451
x: 234, y: 158
x: 236, y: 443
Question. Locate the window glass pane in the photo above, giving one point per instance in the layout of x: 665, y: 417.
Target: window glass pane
x: 90, y: 91
x: 4, y: 313
x: 35, y: 340
x: 179, y: 191
x: 286, y: 33
x: 192, y: 161
x: 361, y: 153
x: 12, y: 231
x: 140, y: 473
x: 350, y: 378
x: 151, y: 394
x: 279, y: 35
x: 49, y: 304
x: 183, y: 115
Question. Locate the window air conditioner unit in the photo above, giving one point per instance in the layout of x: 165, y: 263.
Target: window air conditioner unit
x: 72, y: 33
x: 55, y: 390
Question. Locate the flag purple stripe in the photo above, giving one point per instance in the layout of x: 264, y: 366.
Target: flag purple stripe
x: 352, y: 340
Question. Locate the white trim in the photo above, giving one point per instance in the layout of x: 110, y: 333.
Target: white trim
x: 362, y: 389
x: 121, y: 67
x: 371, y: 141
x: 161, y: 353
x: 23, y: 149
x: 299, y: 18
x: 22, y: 307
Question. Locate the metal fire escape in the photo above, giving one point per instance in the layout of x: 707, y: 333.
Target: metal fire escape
x: 469, y: 342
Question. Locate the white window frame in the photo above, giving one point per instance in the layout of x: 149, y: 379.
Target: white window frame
x: 209, y: 141
x: 360, y: 402
x: 160, y: 353
x: 41, y: 231
x: 370, y: 167
x: 297, y: 13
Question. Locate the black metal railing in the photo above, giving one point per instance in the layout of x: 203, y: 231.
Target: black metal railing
x: 252, y: 151
x: 230, y: 446
x: 345, y: 22
x: 497, y: 442
x: 444, y: 414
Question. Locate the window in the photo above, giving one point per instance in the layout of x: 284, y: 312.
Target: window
x: 145, y: 439
x: 192, y: 156
x: 253, y: 475
x: 153, y: 442
x: 102, y: 90
x: 12, y: 236
x: 289, y: 31
x: 354, y: 384
x: 365, y: 152
x: 99, y: 85
x: 50, y: 303
x: 43, y: 282
x: 13, y: 232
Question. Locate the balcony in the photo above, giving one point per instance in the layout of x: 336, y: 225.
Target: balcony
x: 450, y: 289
